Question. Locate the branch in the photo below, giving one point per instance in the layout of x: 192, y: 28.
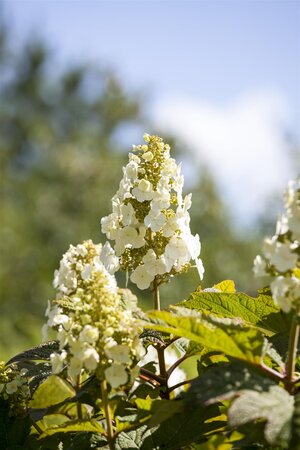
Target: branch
x: 176, y: 364
x: 151, y: 375
x: 172, y: 388
x: 289, y: 381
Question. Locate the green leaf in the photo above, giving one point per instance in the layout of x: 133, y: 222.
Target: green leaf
x: 52, y: 420
x: 144, y: 390
x: 36, y: 372
x: 38, y: 379
x: 159, y: 410
x: 295, y: 440
x: 252, y: 437
x: 190, y: 348
x: 226, y: 286
x: 51, y: 392
x: 176, y: 432
x: 141, y: 438
x: 41, y: 352
x: 224, y: 336
x: 163, y: 410
x: 260, y: 312
x: 223, y: 381
x: 91, y: 426
x: 152, y: 337
x: 88, y: 441
x: 13, y: 430
x: 207, y: 356
x: 275, y: 406
x: 218, y: 442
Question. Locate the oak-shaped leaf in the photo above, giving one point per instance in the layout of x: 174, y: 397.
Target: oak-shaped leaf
x: 275, y: 407
x: 223, y: 335
x: 223, y: 381
x: 259, y: 312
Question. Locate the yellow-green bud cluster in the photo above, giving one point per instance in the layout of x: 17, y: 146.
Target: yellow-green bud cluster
x: 97, y: 335
x: 14, y: 388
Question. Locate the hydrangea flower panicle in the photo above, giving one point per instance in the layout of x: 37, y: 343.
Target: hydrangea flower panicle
x: 95, y: 333
x: 150, y: 222
x: 281, y: 253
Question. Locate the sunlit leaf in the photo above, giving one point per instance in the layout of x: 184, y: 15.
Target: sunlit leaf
x: 227, y: 337
x: 226, y: 286
x: 260, y: 311
x: 52, y: 391
x: 91, y: 426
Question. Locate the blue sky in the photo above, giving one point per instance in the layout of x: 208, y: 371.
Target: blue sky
x: 235, y: 64
x: 205, y: 49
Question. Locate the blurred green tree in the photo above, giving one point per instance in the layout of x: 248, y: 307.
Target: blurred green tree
x: 60, y: 165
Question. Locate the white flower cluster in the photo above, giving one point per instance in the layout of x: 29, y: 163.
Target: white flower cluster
x: 74, y: 270
x: 14, y: 387
x: 150, y: 222
x: 281, y: 253
x: 95, y: 333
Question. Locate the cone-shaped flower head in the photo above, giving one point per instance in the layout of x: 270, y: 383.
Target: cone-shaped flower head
x: 150, y: 222
x: 97, y: 335
x: 281, y: 253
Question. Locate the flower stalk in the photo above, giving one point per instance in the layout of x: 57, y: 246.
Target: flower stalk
x: 36, y: 426
x: 156, y: 296
x: 79, y: 406
x: 108, y: 416
x: 163, y: 374
x: 292, y: 354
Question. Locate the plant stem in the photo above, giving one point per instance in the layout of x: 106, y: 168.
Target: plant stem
x: 161, y: 361
x: 277, y: 376
x: 36, y: 426
x: 160, y: 350
x: 150, y: 375
x: 292, y: 353
x: 172, y: 388
x: 78, y: 404
x: 108, y: 417
x: 156, y: 296
x: 177, y: 363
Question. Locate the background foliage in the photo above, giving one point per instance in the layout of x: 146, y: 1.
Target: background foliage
x: 60, y: 163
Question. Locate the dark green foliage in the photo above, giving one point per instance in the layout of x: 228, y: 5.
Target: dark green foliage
x: 13, y: 430
x: 40, y: 352
x: 37, y: 372
x: 152, y: 337
x: 295, y: 439
x: 223, y: 381
x: 173, y: 433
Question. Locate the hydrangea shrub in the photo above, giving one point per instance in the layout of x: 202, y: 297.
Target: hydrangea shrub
x: 219, y: 370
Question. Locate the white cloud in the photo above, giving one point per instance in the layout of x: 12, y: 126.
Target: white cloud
x: 243, y: 144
